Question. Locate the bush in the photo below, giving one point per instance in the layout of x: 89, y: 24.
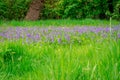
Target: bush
x: 78, y: 9
x: 13, y: 9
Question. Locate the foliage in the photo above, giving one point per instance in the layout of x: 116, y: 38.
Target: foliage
x: 78, y: 9
x: 62, y: 9
x: 13, y: 9
x: 116, y: 13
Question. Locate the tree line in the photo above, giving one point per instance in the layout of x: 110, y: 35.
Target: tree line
x: 59, y: 9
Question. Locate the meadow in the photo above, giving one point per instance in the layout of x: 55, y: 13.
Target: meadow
x: 60, y: 50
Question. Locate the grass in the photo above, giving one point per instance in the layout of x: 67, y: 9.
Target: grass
x: 93, y: 59
x: 46, y: 23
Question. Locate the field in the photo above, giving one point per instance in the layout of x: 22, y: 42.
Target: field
x: 60, y: 50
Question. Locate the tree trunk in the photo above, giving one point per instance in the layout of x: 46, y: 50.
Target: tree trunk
x: 34, y: 10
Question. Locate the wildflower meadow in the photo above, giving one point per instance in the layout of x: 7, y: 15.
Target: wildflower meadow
x: 60, y: 53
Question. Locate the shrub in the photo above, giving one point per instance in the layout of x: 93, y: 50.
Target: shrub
x: 78, y: 9
x: 13, y: 9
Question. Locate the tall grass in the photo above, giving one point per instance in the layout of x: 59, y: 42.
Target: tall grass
x: 91, y: 61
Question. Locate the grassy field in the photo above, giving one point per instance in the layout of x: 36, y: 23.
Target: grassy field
x: 59, y: 53
x: 68, y: 23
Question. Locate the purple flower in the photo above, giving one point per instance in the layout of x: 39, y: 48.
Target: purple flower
x: 37, y: 36
x: 118, y: 35
x: 53, y: 34
x: 107, y: 29
x: 59, y: 40
x: 29, y: 35
x: 67, y: 37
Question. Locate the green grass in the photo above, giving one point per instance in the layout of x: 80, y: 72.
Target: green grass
x: 91, y: 61
x: 97, y: 59
x: 46, y: 23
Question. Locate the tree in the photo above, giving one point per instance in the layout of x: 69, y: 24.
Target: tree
x: 35, y: 9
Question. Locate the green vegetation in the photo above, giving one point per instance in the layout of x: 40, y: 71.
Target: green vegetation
x: 80, y: 9
x: 46, y: 23
x: 13, y: 9
x: 85, y: 55
x: 62, y: 9
x: 90, y: 61
x: 68, y: 42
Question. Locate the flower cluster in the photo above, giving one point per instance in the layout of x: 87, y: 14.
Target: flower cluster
x: 58, y: 34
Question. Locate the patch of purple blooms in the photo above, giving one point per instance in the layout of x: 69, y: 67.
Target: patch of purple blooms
x: 56, y: 34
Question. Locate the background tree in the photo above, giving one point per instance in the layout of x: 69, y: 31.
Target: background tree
x: 59, y: 9
x: 35, y: 9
